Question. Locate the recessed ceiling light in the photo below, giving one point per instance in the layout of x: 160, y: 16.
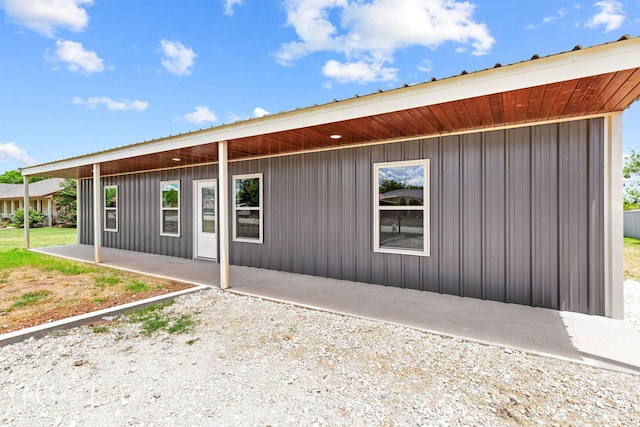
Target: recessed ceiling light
x: 175, y: 159
x: 335, y: 136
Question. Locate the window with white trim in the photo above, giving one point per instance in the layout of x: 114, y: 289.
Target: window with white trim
x: 110, y: 208
x: 170, y: 208
x: 247, y: 208
x: 401, y: 207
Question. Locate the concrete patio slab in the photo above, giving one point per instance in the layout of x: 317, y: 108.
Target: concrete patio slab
x: 591, y: 340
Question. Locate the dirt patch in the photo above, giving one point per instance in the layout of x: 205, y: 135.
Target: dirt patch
x: 30, y: 296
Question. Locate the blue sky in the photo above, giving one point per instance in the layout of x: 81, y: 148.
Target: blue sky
x: 80, y: 76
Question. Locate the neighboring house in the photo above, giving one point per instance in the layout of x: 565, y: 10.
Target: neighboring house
x: 632, y: 223
x: 519, y: 169
x: 41, y: 195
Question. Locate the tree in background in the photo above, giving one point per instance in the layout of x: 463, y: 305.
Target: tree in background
x: 15, y: 177
x: 66, y: 201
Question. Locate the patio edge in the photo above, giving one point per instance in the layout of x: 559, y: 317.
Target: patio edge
x: 39, y: 331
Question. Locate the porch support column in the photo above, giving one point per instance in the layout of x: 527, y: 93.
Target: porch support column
x: 97, y: 215
x: 223, y: 219
x: 49, y: 211
x: 613, y: 218
x: 25, y: 179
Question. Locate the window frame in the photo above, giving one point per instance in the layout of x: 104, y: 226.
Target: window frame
x: 163, y: 208
x: 425, y: 208
x: 259, y: 208
x: 106, y: 208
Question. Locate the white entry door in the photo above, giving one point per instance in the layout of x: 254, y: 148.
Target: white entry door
x: 206, y: 220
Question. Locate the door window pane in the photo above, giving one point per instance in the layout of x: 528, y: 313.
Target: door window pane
x: 208, y: 210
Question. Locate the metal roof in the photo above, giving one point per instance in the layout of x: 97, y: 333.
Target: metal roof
x: 593, y: 81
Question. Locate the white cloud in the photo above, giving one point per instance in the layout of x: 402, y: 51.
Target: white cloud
x: 10, y: 152
x: 77, y: 58
x: 368, y: 33
x: 200, y: 115
x: 122, y: 105
x: 178, y: 59
x: 260, y: 112
x: 611, y: 15
x: 560, y: 14
x: 425, y: 66
x: 361, y: 71
x: 229, y: 5
x: 47, y: 16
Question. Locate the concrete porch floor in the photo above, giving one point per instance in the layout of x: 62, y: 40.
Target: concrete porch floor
x: 591, y: 340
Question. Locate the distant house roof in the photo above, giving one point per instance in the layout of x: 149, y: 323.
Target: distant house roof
x: 42, y: 188
x: 403, y: 197
x: 587, y: 82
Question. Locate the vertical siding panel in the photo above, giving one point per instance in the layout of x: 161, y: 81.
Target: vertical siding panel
x: 255, y: 249
x: 574, y: 213
x: 334, y: 214
x: 378, y: 264
x: 544, y: 227
x: 87, y: 211
x: 494, y: 216
x: 411, y: 264
x: 450, y: 215
x: 274, y: 215
x: 311, y: 207
x: 186, y: 213
x: 152, y: 228
x: 429, y: 266
x: 348, y: 226
x: 471, y: 188
x: 564, y: 194
x: 297, y: 210
x: 126, y: 224
x: 519, y: 221
x: 596, y: 215
x: 322, y: 214
x: 583, y: 210
x: 363, y: 214
x: 393, y: 262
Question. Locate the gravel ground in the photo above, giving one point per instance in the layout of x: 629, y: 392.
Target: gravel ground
x: 254, y: 362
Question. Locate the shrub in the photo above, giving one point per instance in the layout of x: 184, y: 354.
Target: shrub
x: 36, y: 218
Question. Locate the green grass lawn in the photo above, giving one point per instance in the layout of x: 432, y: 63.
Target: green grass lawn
x: 631, y: 258
x: 12, y: 238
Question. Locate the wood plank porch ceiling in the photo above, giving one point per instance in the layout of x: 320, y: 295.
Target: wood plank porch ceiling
x: 600, y: 94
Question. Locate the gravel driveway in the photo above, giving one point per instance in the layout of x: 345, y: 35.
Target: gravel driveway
x: 254, y: 362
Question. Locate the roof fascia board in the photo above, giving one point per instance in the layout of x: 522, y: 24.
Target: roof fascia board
x: 601, y: 59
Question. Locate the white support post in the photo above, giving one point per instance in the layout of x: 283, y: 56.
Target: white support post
x: 27, y: 242
x: 49, y: 211
x: 613, y: 218
x: 223, y: 211
x: 78, y: 211
x: 97, y: 215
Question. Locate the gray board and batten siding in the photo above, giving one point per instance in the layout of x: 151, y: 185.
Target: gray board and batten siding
x: 632, y: 224
x: 516, y: 215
